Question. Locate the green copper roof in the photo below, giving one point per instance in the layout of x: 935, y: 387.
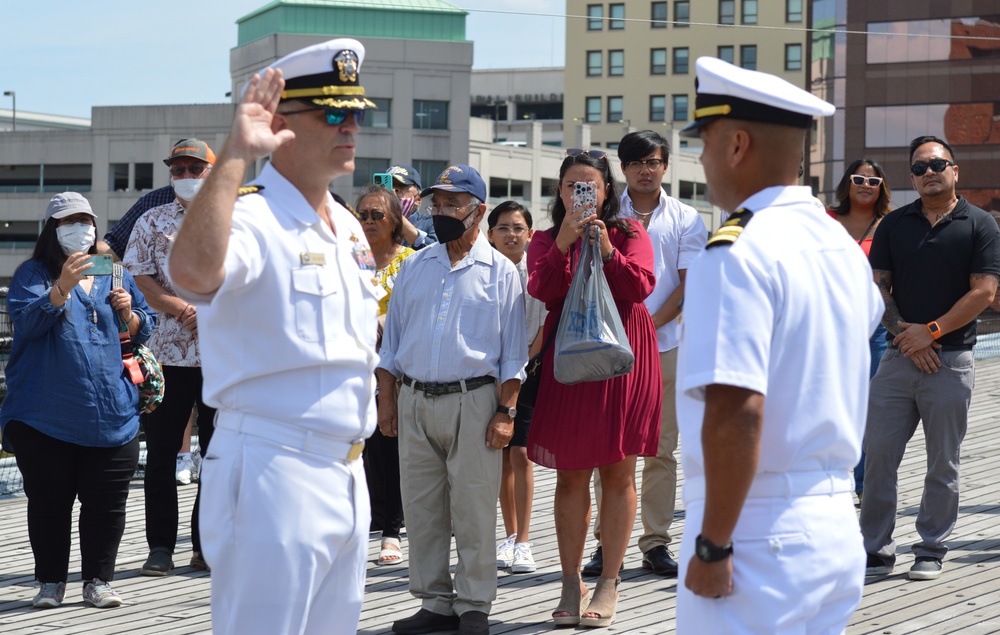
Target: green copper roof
x: 400, y: 19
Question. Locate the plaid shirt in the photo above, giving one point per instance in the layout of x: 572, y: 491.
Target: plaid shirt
x: 117, y: 236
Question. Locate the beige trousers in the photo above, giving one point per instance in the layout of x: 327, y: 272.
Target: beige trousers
x: 658, y: 490
x: 450, y: 481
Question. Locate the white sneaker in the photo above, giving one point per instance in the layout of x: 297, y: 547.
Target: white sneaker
x: 185, y: 467
x: 505, y: 552
x: 523, y: 562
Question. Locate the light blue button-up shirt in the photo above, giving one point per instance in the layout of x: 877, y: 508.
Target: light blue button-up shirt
x: 449, y: 323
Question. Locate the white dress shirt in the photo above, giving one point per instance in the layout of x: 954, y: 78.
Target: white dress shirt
x: 446, y: 324
x: 290, y: 334
x: 785, y: 311
x: 678, y: 235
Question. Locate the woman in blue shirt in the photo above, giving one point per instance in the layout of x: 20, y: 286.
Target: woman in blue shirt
x: 71, y: 412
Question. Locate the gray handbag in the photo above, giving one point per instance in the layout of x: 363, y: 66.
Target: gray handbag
x: 591, y: 344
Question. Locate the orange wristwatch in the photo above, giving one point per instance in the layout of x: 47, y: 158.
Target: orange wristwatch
x: 935, y: 330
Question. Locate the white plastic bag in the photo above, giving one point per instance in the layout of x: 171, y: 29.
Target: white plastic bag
x: 591, y: 344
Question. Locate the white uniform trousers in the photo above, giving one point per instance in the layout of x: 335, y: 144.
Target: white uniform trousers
x: 798, y: 568
x: 284, y: 525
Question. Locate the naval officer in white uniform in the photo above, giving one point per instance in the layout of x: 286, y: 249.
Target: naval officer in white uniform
x: 287, y: 300
x: 771, y: 377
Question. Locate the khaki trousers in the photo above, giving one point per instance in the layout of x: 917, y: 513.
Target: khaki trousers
x: 658, y: 490
x: 450, y: 481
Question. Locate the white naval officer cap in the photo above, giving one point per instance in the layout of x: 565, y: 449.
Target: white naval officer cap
x: 724, y: 90
x: 326, y: 74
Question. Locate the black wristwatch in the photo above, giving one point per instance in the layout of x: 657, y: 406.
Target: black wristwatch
x: 707, y: 551
x: 504, y: 410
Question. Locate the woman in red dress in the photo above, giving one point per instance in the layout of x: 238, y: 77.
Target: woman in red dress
x: 603, y: 424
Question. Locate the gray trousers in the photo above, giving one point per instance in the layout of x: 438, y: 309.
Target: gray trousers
x: 450, y: 481
x: 901, y: 396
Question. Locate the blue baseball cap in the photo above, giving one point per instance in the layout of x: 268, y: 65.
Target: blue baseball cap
x: 459, y: 178
x: 405, y: 174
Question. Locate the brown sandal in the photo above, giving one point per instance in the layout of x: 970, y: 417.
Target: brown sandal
x: 604, y: 604
x: 571, y: 602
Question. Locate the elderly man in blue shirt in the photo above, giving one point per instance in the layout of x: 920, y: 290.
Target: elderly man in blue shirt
x: 455, y: 329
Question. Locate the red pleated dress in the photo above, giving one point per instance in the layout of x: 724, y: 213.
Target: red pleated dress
x: 590, y: 424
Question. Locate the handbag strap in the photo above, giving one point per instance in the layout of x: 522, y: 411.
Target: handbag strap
x: 124, y: 338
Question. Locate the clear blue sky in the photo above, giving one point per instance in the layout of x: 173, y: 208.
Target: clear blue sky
x: 62, y: 57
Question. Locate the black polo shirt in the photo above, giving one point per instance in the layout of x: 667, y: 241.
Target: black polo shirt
x: 931, y: 266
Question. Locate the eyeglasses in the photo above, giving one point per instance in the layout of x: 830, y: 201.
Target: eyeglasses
x: 334, y: 116
x: 652, y: 164
x: 193, y: 170
x: 448, y: 210
x: 936, y: 165
x: 503, y: 230
x: 375, y: 216
x: 593, y: 154
x: 861, y: 179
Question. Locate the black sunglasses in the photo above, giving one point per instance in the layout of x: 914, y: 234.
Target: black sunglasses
x: 936, y: 165
x: 334, y: 116
x: 593, y: 154
x: 860, y: 179
x: 375, y: 216
x: 193, y: 170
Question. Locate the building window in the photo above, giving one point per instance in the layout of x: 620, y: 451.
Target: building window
x: 749, y: 11
x: 593, y: 110
x: 595, y: 60
x: 595, y: 17
x: 680, y: 108
x: 364, y: 168
x: 657, y: 108
x: 118, y: 177
x: 380, y: 118
x: 430, y: 115
x: 658, y: 61
x: 659, y: 15
x: 748, y: 57
x: 681, y: 61
x: 894, y: 126
x: 793, y: 57
x: 727, y: 54
x: 430, y: 170
x: 793, y: 11
x: 616, y: 63
x: 617, y: 14
x: 143, y: 176
x: 682, y: 13
x: 616, y: 109
x: 727, y: 11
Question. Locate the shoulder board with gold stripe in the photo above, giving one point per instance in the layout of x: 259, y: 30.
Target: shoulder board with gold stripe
x: 340, y: 200
x: 249, y: 189
x: 730, y: 230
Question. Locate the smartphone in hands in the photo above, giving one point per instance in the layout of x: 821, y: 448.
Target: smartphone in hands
x: 384, y: 179
x: 102, y: 265
x: 585, y: 198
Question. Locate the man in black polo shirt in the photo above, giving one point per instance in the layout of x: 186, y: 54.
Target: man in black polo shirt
x: 936, y: 262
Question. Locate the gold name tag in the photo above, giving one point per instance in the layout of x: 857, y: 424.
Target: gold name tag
x: 312, y: 258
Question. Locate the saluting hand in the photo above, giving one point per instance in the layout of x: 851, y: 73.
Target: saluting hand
x: 251, y: 136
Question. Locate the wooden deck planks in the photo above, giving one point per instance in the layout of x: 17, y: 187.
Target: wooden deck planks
x: 963, y: 600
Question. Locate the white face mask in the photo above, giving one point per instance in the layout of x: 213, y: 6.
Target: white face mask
x: 187, y: 189
x: 76, y: 237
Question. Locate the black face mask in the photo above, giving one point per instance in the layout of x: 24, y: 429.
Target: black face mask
x: 449, y: 228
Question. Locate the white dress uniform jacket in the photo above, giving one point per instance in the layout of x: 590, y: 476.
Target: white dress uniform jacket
x: 290, y: 334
